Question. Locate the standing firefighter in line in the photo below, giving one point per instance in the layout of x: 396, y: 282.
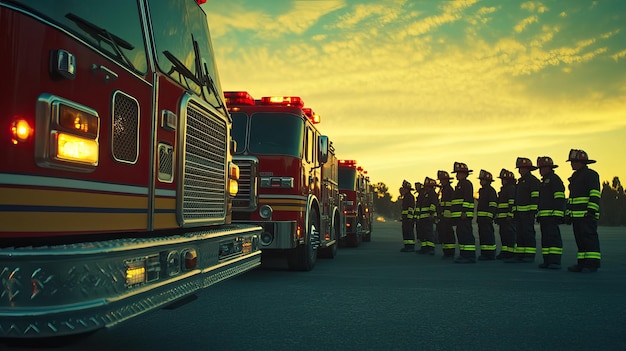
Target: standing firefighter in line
x: 504, y: 218
x: 526, y: 199
x: 444, y: 227
x: 550, y: 212
x: 487, y: 205
x: 583, y: 210
x: 408, y: 203
x: 419, y: 188
x: 427, y: 206
x: 463, y: 212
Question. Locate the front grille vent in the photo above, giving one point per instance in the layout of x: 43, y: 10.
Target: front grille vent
x: 246, y: 199
x: 204, y: 167
x: 125, y: 124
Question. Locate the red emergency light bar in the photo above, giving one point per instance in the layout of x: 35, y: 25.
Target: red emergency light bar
x: 282, y: 100
x: 349, y: 163
x: 200, y: 2
x: 312, y: 116
x: 238, y: 98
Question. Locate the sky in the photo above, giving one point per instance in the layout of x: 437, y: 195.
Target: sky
x: 408, y: 87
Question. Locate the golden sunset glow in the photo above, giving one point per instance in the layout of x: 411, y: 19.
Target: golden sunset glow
x: 409, y: 87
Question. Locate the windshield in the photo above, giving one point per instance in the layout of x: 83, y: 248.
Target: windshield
x: 347, y: 178
x: 113, y: 26
x: 239, y: 131
x: 183, y: 45
x: 275, y: 134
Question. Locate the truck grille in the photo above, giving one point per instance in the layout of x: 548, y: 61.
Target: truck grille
x: 204, y: 167
x: 246, y: 199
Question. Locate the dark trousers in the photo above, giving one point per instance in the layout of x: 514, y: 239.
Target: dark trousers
x: 507, y: 237
x: 465, y: 236
x: 586, y: 235
x: 486, y: 237
x: 526, y: 237
x: 408, y: 237
x: 425, y: 234
x: 551, y: 242
x: 446, y: 236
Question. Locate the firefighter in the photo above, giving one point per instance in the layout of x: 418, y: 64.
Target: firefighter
x: 487, y: 205
x: 408, y: 203
x: 583, y: 211
x: 444, y: 226
x: 416, y: 210
x: 524, y: 210
x: 427, y: 206
x: 504, y: 216
x: 550, y: 212
x: 462, y: 213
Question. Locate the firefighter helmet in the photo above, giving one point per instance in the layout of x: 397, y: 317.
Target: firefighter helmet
x: 506, y: 174
x: 406, y: 185
x: 579, y: 156
x: 485, y: 175
x: 443, y: 175
x: 461, y: 167
x: 430, y: 182
x: 418, y: 186
x: 545, y: 161
x: 523, y: 162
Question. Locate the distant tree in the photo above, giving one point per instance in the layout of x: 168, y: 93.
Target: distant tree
x: 382, y: 200
x: 612, y: 204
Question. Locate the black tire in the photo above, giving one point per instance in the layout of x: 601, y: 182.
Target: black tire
x: 368, y: 237
x: 331, y: 252
x: 303, y: 257
x: 353, y: 240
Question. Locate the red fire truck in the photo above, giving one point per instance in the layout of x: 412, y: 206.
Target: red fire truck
x: 294, y: 169
x: 367, y: 200
x: 116, y: 173
x: 358, y: 202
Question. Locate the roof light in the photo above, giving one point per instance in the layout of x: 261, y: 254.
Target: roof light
x: 312, y: 116
x: 348, y: 163
x: 238, y: 98
x: 283, y: 100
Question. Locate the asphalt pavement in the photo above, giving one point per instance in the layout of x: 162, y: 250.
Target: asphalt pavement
x: 374, y: 297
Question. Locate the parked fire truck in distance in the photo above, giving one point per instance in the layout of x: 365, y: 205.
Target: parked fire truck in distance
x: 282, y: 155
x: 354, y: 185
x: 367, y: 199
x: 116, y: 174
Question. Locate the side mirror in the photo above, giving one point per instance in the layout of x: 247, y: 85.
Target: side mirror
x: 323, y: 149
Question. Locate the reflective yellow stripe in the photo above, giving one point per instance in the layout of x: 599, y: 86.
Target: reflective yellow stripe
x: 487, y: 247
x: 467, y: 247
x: 552, y: 251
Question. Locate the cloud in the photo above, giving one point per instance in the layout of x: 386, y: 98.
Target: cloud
x: 619, y: 55
x: 534, y: 6
x: 299, y: 17
x: 521, y: 26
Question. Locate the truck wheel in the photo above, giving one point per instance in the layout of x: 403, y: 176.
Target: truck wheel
x: 303, y: 257
x: 368, y: 237
x: 331, y: 252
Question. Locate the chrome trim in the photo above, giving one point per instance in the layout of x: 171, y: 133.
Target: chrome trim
x: 77, y: 288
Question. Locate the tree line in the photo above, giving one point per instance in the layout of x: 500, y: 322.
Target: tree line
x: 612, y: 203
